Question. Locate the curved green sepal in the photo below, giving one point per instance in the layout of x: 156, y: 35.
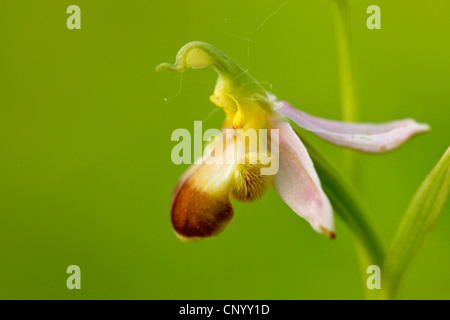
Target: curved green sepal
x: 197, y: 54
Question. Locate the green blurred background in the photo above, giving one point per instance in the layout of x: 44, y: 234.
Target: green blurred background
x: 85, y: 123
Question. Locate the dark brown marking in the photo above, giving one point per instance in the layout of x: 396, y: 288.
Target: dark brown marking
x: 197, y: 214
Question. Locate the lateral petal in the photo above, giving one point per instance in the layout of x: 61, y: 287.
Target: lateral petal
x: 298, y: 183
x: 367, y: 137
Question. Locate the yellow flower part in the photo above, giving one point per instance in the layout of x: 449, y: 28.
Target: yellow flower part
x: 244, y: 101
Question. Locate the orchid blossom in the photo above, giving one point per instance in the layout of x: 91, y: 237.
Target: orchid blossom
x: 201, y: 204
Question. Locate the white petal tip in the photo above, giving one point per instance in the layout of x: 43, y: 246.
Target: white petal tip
x: 422, y: 127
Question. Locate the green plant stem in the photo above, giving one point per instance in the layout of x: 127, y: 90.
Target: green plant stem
x: 342, y: 14
x: 344, y: 49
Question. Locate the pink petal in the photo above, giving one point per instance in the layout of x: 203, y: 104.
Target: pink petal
x: 298, y: 184
x: 368, y: 137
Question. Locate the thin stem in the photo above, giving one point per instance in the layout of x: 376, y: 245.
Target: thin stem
x: 369, y: 253
x: 349, y: 103
x: 344, y: 48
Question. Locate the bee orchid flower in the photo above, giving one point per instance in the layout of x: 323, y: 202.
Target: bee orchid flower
x: 201, y: 205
